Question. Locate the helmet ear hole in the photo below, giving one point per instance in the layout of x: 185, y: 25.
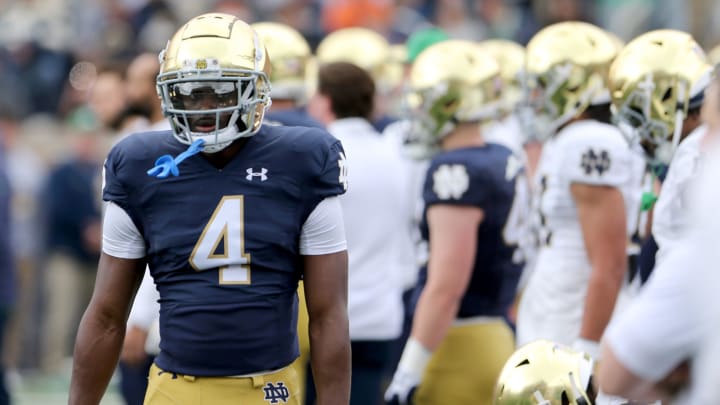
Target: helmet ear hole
x: 667, y: 95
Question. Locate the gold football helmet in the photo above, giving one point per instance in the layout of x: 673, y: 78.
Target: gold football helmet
x: 567, y: 66
x: 655, y: 79
x: 511, y: 58
x: 213, y: 81
x: 545, y: 373
x: 290, y: 58
x: 450, y: 82
x: 362, y: 47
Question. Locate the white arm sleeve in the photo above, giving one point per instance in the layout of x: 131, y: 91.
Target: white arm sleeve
x: 146, y: 308
x: 324, y: 230
x: 121, y: 238
x: 663, y: 325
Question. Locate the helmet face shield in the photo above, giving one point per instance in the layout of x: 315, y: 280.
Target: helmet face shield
x: 430, y: 117
x: 655, y: 80
x: 558, y: 95
x: 220, y: 105
x: 198, y: 95
x: 450, y: 83
x: 634, y: 119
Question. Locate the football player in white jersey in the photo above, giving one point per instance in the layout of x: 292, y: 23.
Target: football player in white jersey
x: 658, y: 81
x: 584, y: 190
x: 704, y: 387
x: 648, y: 350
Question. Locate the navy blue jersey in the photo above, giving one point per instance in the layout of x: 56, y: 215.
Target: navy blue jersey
x: 481, y: 177
x: 223, y: 244
x: 294, y: 117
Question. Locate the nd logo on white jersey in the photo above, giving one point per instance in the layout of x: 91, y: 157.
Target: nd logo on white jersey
x: 450, y: 181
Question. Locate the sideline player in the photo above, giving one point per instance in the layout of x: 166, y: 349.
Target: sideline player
x: 582, y: 189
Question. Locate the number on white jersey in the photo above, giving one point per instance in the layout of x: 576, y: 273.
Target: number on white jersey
x: 517, y: 220
x: 222, y: 243
x: 544, y: 231
x: 343, y: 176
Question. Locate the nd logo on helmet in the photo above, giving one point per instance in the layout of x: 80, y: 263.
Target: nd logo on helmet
x: 201, y: 64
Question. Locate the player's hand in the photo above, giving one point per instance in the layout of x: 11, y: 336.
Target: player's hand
x: 402, y: 388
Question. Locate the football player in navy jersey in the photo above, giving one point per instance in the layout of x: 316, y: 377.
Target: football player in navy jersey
x: 460, y: 339
x: 228, y: 217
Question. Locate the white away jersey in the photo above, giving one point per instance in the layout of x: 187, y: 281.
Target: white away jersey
x: 676, y: 317
x: 587, y: 152
x: 670, y: 216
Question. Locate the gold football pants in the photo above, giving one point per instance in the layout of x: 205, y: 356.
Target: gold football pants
x: 466, y: 365
x: 166, y: 388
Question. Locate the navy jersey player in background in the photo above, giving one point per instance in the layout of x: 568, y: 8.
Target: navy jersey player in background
x: 460, y: 339
x: 227, y: 236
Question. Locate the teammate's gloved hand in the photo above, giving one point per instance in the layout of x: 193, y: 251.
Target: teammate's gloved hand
x: 402, y: 388
x: 409, y: 373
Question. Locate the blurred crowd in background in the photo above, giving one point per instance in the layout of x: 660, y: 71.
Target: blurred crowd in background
x: 65, y: 87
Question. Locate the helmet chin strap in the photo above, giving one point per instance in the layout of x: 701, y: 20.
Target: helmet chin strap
x: 679, y: 117
x: 665, y: 151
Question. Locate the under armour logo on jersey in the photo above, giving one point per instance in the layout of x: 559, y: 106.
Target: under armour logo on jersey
x: 593, y: 161
x: 262, y: 174
x: 276, y: 393
x: 343, y: 177
x: 450, y: 181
